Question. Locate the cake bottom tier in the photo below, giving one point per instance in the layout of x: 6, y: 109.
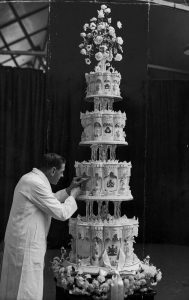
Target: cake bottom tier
x: 103, y: 243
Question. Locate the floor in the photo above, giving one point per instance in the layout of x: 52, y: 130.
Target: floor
x: 171, y: 259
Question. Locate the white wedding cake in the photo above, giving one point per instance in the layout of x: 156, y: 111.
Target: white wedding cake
x: 103, y: 238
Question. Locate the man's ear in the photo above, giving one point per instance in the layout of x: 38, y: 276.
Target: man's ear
x: 53, y: 169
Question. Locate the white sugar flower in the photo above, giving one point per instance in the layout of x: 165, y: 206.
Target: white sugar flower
x: 93, y: 19
x: 150, y: 271
x: 89, y: 35
x: 85, y: 26
x: 98, y: 40
x: 159, y: 276
x: 95, y: 283
x: 109, y: 20
x: 98, y: 56
x: 143, y: 290
x: 101, y: 278
x: 56, y: 259
x: 70, y: 279
x: 97, y: 69
x: 112, y: 33
x: 103, y: 6
x: 64, y: 283
x: 111, y: 28
x: 89, y: 47
x: 138, y: 275
x: 87, y: 61
x: 119, y: 24
x: 106, y: 55
x: 92, y: 25
x: 81, y: 45
x: 100, y: 14
x: 103, y: 48
x: 83, y: 34
x: 103, y: 272
x: 101, y: 26
x: 69, y: 268
x: 90, y: 288
x: 119, y: 40
x: 142, y: 282
x: 107, y: 10
x: 105, y: 287
x: 85, y: 285
x: 79, y: 281
x: 83, y: 51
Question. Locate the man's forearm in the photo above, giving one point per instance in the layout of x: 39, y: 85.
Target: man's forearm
x: 62, y: 195
x: 68, y: 190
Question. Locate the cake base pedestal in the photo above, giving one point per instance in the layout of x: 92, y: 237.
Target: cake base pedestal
x: 62, y: 294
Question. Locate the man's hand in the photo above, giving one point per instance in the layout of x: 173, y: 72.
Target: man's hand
x: 75, y: 192
x: 76, y: 182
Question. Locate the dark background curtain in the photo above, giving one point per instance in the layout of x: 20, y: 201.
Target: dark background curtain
x: 167, y: 162
x: 23, y: 129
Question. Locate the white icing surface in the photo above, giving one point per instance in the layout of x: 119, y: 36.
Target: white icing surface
x: 108, y: 180
x: 104, y: 141
x: 104, y: 83
x: 105, y: 198
x: 105, y: 125
x: 111, y: 221
x: 96, y: 269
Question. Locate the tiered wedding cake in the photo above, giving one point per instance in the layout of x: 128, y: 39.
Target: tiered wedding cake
x: 102, y: 263
x: 101, y: 239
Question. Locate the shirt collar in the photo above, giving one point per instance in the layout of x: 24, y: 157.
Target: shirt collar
x: 41, y: 174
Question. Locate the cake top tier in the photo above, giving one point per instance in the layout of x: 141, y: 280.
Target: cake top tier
x: 100, y: 40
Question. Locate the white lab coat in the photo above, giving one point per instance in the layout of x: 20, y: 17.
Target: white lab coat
x: 25, y: 239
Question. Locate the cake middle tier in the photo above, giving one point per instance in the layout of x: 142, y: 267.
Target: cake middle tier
x: 104, y: 126
x: 107, y: 180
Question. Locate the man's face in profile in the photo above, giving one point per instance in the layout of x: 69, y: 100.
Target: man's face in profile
x: 56, y: 174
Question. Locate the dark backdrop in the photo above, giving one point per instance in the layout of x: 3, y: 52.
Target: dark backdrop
x: 167, y: 162
x: 23, y: 129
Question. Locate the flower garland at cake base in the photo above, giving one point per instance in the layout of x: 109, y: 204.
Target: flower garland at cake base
x: 102, y: 285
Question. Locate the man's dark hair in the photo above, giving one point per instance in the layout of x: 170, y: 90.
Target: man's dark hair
x: 50, y: 160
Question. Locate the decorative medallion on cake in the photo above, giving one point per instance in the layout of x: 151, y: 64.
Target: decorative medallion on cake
x: 102, y: 245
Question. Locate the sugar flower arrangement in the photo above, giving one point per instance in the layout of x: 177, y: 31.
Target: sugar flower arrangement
x: 98, y: 286
x: 144, y: 280
x: 99, y: 38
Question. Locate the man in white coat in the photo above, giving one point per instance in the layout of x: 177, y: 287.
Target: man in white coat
x: 25, y: 239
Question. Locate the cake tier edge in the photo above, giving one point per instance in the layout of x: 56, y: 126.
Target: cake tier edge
x: 120, y: 143
x: 130, y: 269
x: 90, y: 98
x: 105, y: 198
